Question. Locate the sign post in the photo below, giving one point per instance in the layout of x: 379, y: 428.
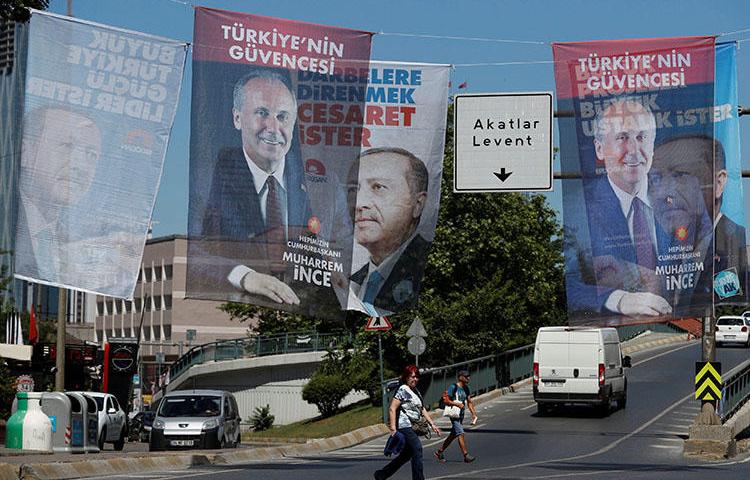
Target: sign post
x: 380, y: 325
x: 417, y: 335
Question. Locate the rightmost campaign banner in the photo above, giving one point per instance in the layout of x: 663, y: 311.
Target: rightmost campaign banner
x: 643, y: 129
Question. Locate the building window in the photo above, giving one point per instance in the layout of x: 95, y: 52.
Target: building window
x: 167, y: 332
x: 167, y: 272
x: 100, y: 308
x: 157, y: 303
x: 138, y: 303
x: 148, y: 275
x: 157, y: 274
x: 167, y: 302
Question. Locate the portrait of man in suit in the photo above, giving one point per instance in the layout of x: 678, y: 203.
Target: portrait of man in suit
x: 641, y: 230
x: 704, y: 158
x: 257, y: 198
x: 391, y: 192
x: 61, y: 238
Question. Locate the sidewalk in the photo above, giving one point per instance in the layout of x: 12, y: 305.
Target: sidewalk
x: 66, y: 466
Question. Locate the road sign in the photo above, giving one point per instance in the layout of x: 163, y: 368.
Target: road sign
x: 708, y: 381
x: 416, y: 329
x: 416, y: 345
x: 503, y: 142
x: 378, y: 324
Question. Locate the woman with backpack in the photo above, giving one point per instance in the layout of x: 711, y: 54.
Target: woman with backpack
x: 407, y: 413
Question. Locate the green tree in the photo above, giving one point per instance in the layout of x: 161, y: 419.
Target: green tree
x: 18, y: 10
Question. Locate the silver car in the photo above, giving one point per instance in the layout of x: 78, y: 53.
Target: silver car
x: 196, y: 419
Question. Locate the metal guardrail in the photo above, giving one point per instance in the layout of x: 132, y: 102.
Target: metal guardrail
x: 500, y: 370
x: 256, y: 347
x: 736, y: 390
x: 487, y: 373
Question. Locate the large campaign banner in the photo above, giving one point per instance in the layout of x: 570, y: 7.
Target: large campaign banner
x: 97, y: 113
x: 278, y: 114
x: 730, y: 284
x: 395, y: 187
x: 638, y: 125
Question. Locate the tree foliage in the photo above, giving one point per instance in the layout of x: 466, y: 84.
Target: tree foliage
x: 18, y: 10
x: 262, y: 418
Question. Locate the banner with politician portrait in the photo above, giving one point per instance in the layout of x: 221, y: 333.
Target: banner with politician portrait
x: 637, y: 123
x: 394, y: 186
x: 98, y: 109
x: 278, y: 114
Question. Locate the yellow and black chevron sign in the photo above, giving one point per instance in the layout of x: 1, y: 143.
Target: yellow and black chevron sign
x: 708, y: 381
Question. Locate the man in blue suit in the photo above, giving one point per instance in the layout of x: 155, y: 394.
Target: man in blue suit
x: 642, y: 232
x: 258, y: 198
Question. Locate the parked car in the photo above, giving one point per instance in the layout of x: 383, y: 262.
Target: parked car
x: 113, y: 426
x: 733, y: 329
x: 196, y: 419
x: 579, y: 365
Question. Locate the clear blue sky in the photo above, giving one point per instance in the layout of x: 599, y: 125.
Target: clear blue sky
x: 527, y: 20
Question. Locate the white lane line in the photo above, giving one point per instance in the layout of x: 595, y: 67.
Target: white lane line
x: 600, y: 451
x: 532, y: 405
x: 667, y: 447
x: 662, y: 354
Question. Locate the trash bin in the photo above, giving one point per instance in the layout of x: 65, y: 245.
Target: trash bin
x: 77, y: 422
x: 57, y: 406
x: 84, y: 423
x: 92, y: 425
x: 29, y: 428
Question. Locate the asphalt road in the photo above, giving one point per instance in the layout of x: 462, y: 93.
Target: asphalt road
x: 510, y: 441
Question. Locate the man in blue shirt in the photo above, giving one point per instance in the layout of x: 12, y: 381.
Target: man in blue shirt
x: 458, y: 395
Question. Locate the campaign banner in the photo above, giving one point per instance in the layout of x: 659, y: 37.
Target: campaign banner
x: 395, y: 185
x: 98, y: 110
x: 730, y: 275
x: 637, y: 238
x: 278, y: 115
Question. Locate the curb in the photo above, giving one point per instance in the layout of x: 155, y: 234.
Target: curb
x: 79, y: 469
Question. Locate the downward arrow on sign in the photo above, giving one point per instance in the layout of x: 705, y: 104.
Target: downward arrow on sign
x: 502, y: 175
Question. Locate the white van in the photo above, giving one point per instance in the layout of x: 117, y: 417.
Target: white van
x: 579, y: 365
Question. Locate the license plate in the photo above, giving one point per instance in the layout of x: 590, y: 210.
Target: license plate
x: 181, y: 443
x: 553, y: 384
x: 729, y: 336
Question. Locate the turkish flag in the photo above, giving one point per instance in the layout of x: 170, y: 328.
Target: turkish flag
x: 463, y: 85
x: 33, y: 330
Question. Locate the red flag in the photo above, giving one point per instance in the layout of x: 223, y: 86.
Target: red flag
x: 463, y: 85
x: 33, y: 330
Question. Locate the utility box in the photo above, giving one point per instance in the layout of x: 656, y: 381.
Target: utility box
x: 77, y: 422
x: 57, y: 406
x: 92, y: 425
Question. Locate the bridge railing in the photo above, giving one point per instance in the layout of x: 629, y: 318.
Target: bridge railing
x: 495, y: 371
x: 487, y: 373
x: 295, y: 342
x: 735, y: 391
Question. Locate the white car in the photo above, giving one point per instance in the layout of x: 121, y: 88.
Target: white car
x: 733, y: 329
x: 113, y: 426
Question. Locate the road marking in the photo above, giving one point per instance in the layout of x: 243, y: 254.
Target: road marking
x: 532, y: 405
x: 600, y: 451
x: 663, y: 353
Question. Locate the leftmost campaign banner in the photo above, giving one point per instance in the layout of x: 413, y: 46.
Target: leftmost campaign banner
x: 278, y: 110
x: 98, y: 110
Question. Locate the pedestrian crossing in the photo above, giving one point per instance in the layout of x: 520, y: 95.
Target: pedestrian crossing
x: 668, y: 435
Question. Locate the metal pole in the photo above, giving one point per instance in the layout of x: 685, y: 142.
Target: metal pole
x: 62, y: 308
x: 380, y: 355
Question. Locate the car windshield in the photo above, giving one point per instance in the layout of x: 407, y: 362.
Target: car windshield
x: 190, y: 406
x: 729, y: 321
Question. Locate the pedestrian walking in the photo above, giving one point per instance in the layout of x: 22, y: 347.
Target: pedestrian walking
x: 458, y: 395
x: 407, y: 410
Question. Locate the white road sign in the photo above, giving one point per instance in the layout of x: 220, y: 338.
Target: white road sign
x: 503, y: 142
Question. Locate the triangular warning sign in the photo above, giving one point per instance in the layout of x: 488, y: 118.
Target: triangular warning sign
x: 378, y: 324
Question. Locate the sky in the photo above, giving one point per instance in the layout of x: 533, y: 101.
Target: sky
x: 516, y: 32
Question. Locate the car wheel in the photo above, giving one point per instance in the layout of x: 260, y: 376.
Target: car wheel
x: 605, y: 407
x: 102, y: 437
x: 543, y: 409
x: 120, y: 442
